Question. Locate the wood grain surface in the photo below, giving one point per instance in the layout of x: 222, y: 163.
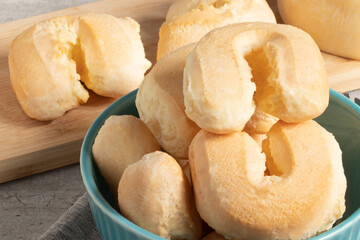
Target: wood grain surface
x: 28, y: 146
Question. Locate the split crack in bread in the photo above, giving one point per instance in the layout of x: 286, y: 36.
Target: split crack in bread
x: 259, y: 138
x: 333, y: 24
x: 184, y: 164
x: 154, y: 193
x: 48, y: 60
x: 35, y: 57
x: 121, y: 141
x: 278, y: 68
x: 160, y: 103
x: 189, y: 20
x: 260, y: 122
x: 228, y: 177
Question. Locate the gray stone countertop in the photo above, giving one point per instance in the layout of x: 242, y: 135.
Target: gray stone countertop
x: 29, y: 206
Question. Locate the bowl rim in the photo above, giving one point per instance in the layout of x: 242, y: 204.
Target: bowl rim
x: 95, y: 195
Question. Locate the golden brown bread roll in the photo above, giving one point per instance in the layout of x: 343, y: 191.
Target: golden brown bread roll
x: 47, y: 61
x: 228, y: 178
x: 155, y: 194
x: 282, y: 63
x: 334, y: 24
x: 189, y: 20
x: 160, y: 103
x: 42, y: 76
x: 121, y: 141
x: 113, y: 53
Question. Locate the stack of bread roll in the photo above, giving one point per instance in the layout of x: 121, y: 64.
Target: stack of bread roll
x: 188, y: 20
x: 52, y: 61
x: 232, y: 111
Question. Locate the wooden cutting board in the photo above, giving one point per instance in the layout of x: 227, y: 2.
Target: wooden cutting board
x: 28, y: 146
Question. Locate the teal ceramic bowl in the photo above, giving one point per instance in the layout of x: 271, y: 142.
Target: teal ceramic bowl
x: 342, y: 118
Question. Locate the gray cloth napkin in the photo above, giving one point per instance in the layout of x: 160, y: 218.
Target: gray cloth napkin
x: 76, y: 223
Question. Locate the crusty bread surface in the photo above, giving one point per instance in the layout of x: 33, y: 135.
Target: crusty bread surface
x: 278, y: 68
x: 121, y: 141
x: 48, y: 60
x: 155, y: 194
x: 189, y: 20
x: 42, y: 76
x: 334, y: 24
x: 113, y: 54
x: 160, y: 103
x: 303, y: 194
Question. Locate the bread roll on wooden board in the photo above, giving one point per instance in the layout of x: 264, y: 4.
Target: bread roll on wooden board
x: 343, y: 73
x: 333, y: 24
x: 28, y: 146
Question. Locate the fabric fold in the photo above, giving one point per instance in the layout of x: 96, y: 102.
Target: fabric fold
x: 76, y: 223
